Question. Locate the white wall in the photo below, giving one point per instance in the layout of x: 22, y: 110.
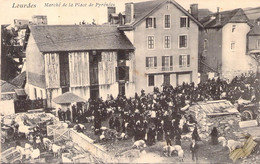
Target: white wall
x: 83, y: 92
x: 7, y: 107
x: 31, y: 93
x: 234, y: 61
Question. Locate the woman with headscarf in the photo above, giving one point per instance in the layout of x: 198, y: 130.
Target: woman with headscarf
x: 214, y: 136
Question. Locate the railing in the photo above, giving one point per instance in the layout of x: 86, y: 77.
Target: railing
x: 162, y: 68
x: 167, y: 68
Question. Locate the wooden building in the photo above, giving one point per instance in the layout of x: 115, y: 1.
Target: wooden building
x: 90, y: 61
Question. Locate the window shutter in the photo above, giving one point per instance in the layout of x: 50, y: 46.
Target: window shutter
x: 117, y: 76
x: 154, y: 21
x: 163, y: 61
x: 180, y: 22
x: 147, y: 62
x: 180, y: 60
x: 188, y: 22
x: 171, y: 61
x: 188, y: 60
x: 155, y: 61
x: 126, y: 73
x: 146, y: 22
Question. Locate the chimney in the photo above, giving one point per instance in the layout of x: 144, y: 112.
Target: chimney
x: 129, y: 12
x: 110, y: 10
x: 218, y: 16
x: 194, y: 10
x: 39, y: 19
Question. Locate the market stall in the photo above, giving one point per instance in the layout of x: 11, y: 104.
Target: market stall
x: 66, y: 100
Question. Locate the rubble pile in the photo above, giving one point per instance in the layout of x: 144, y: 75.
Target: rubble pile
x: 219, y: 114
x: 226, y: 125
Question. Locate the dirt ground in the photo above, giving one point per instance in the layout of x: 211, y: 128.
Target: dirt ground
x: 153, y: 154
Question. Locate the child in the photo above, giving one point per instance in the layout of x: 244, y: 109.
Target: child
x: 194, y: 150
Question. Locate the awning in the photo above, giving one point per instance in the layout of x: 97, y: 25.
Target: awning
x: 20, y: 92
x: 68, y: 98
x: 254, y: 51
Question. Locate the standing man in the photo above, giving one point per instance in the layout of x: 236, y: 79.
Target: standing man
x: 74, y: 112
x: 194, y: 150
x: 60, y: 114
x: 68, y: 114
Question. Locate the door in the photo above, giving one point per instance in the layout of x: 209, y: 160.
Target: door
x: 166, y: 80
x: 94, y: 92
x: 121, y: 89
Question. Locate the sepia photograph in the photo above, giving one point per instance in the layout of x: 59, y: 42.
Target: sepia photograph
x: 130, y: 81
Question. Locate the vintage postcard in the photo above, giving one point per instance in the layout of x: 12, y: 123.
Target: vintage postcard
x: 130, y: 81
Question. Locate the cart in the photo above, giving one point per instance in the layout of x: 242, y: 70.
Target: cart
x: 7, y: 133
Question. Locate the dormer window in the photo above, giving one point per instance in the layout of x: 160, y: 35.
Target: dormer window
x: 150, y: 22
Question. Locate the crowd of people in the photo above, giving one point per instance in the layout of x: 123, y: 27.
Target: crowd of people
x: 161, y: 115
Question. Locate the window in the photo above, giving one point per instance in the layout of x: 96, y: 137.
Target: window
x: 167, y: 63
x: 258, y: 43
x: 183, y: 21
x: 150, y: 22
x: 150, y: 80
x: 167, y: 21
x: 35, y: 93
x: 167, y: 41
x: 150, y: 42
x: 233, y: 45
x: 151, y: 62
x: 183, y: 41
x: 205, y: 44
x: 184, y: 60
x: 233, y: 28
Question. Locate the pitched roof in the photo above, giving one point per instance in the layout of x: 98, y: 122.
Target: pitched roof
x: 20, y: 80
x: 231, y: 16
x: 53, y: 38
x: 202, y: 13
x: 20, y: 92
x: 7, y: 87
x: 67, y: 98
x: 36, y: 79
x: 144, y: 9
x: 252, y: 13
x: 255, y: 30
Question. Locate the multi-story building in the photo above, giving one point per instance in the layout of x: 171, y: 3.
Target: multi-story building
x: 254, y: 36
x: 88, y: 60
x: 165, y: 36
x: 222, y: 46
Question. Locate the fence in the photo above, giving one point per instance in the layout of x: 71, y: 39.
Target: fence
x: 87, y: 144
x: 25, y: 105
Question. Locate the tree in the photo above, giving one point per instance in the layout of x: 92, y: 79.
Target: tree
x: 9, y: 67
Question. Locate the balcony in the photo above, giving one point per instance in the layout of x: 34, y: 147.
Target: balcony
x: 167, y: 68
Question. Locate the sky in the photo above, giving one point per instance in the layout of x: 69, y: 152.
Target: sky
x: 72, y: 15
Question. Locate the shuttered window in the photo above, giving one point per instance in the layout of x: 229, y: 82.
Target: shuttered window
x: 184, y: 60
x: 151, y: 62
